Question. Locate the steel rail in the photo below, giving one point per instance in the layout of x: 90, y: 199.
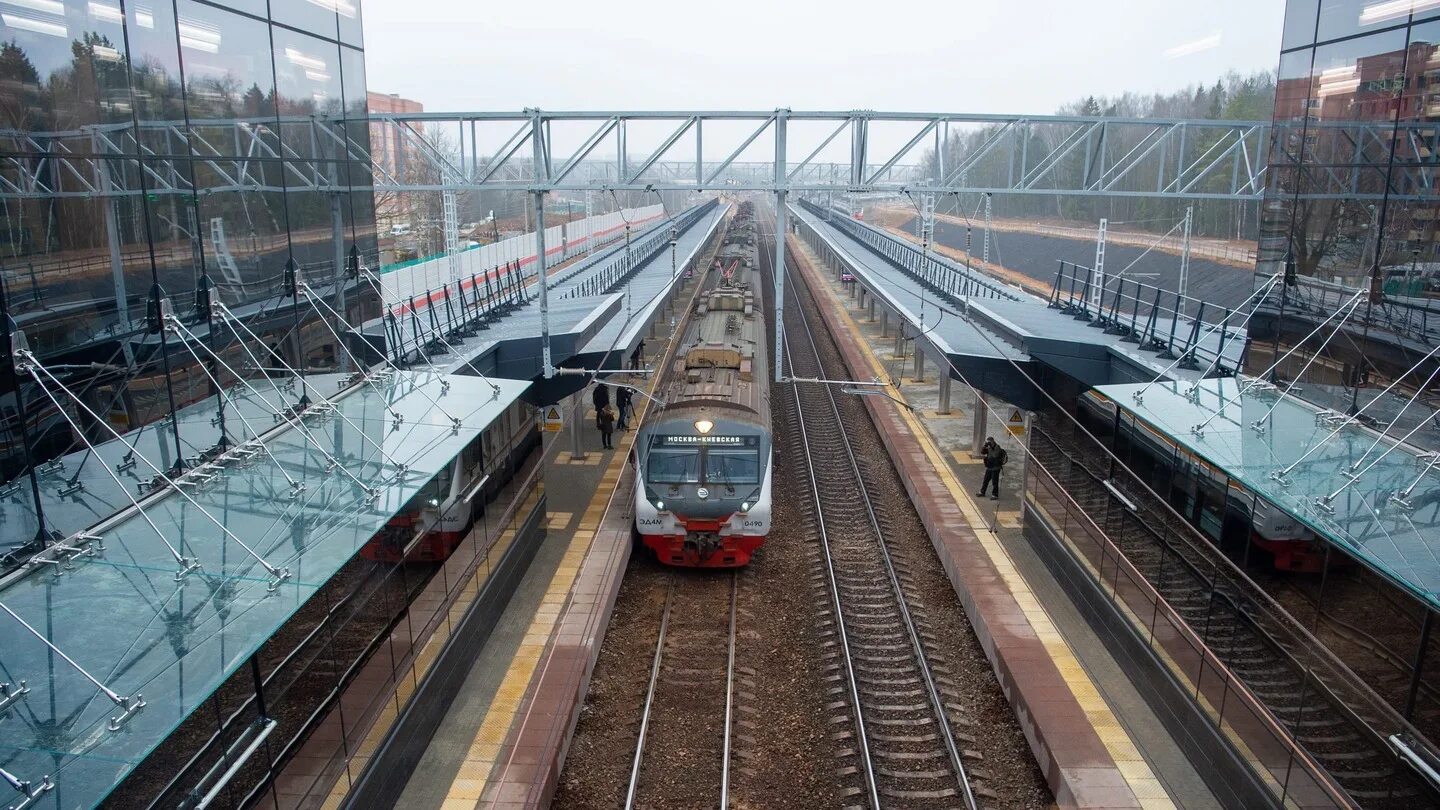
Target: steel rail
x: 646, y: 709
x: 922, y: 663
x: 650, y: 697
x: 861, y: 737
x: 729, y: 695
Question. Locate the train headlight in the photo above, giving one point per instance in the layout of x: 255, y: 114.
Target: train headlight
x: 704, y: 425
x: 434, y: 501
x: 660, y: 506
x: 745, y: 506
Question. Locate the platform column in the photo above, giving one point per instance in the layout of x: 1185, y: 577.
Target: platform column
x: 577, y: 415
x: 884, y: 323
x: 919, y: 362
x: 944, y: 406
x: 872, y: 309
x: 862, y: 297
x: 900, y: 338
x: 981, y: 418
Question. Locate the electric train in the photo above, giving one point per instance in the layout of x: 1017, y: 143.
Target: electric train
x: 438, y: 517
x: 1221, y: 507
x: 703, y: 458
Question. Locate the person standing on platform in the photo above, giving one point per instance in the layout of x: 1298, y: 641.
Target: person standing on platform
x: 600, y: 397
x: 623, y: 407
x: 637, y: 357
x: 995, y: 458
x: 605, y: 420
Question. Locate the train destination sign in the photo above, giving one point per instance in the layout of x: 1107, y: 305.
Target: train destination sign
x: 674, y: 441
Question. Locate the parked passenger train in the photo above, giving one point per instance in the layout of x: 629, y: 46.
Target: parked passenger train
x: 704, y: 457
x: 437, y: 518
x: 1224, y: 509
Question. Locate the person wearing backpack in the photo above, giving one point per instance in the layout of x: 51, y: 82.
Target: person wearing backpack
x: 995, y: 458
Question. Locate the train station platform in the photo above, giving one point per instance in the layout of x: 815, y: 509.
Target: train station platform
x: 994, y: 333
x: 1095, y: 737
x: 598, y: 304
x: 499, y: 739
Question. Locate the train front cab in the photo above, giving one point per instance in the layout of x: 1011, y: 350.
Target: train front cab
x: 703, y: 501
x: 433, y: 523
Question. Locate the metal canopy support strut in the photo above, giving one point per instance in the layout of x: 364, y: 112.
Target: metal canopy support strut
x: 537, y: 140
x: 780, y: 226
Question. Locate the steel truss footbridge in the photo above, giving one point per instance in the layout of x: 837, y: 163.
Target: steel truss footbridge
x: 779, y: 152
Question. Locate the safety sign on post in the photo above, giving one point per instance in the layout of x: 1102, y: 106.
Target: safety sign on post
x: 1016, y: 423
x: 553, y: 422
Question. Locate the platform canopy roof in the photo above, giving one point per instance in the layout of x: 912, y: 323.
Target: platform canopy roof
x: 128, y: 618
x: 1387, y: 515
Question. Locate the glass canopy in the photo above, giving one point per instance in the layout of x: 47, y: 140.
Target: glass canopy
x: 127, y: 617
x: 1369, y: 494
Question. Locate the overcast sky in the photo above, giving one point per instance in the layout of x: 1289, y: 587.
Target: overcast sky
x: 1003, y: 56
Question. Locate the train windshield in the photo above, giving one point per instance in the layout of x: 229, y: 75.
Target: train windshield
x: 726, y: 465
x: 677, y: 466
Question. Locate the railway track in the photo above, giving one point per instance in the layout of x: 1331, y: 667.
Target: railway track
x: 888, y: 688
x: 1356, y: 759
x: 682, y: 756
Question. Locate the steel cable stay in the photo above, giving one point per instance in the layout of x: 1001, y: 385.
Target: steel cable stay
x: 332, y: 461
x: 316, y: 298
x: 128, y: 704
x: 1282, y: 476
x: 1259, y: 380
x: 1259, y: 424
x: 1193, y: 392
x: 279, y: 575
x: 422, y: 354
x: 369, y: 379
x: 333, y: 518
x: 178, y: 329
x: 1254, y: 297
x: 326, y: 405
x: 91, y: 542
x: 317, y: 301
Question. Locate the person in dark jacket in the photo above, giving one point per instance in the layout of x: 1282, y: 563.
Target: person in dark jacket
x: 637, y: 357
x: 622, y: 407
x: 606, y: 422
x: 600, y: 397
x: 995, y: 458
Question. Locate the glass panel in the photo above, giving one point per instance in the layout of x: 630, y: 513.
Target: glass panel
x: 124, y: 616
x: 1299, y: 27
x: 1308, y: 449
x: 256, y: 7
x: 1345, y: 18
x: 319, y: 17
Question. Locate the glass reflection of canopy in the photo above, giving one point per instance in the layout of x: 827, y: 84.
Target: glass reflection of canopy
x: 1372, y: 496
x: 126, y: 621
